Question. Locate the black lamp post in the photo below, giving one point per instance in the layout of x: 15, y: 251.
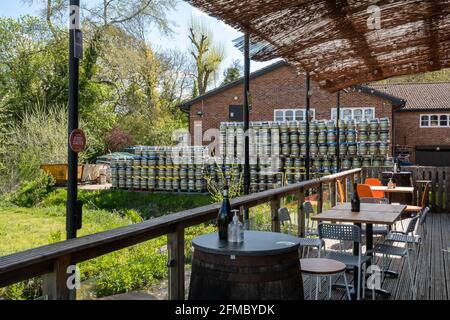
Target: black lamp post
x: 246, y: 121
x: 75, y: 53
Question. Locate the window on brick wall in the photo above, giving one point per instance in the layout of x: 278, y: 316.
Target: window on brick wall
x: 292, y: 114
x: 435, y: 121
x: 357, y: 114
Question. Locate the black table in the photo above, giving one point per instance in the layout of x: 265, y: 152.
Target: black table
x: 265, y: 266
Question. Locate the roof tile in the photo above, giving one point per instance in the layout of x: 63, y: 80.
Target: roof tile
x: 419, y: 96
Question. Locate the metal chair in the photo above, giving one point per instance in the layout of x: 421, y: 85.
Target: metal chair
x: 410, y: 236
x: 311, y: 239
x: 285, y: 217
x: 351, y: 233
x: 388, y: 250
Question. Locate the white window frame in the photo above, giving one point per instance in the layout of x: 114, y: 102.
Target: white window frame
x: 352, y: 109
x: 294, y: 111
x: 429, y: 115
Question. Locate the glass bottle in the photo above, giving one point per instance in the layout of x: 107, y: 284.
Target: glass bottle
x: 225, y: 216
x: 236, y: 229
x: 391, y: 184
x: 355, y: 202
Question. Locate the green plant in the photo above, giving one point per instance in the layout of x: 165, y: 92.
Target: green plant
x: 232, y: 178
x: 30, y: 193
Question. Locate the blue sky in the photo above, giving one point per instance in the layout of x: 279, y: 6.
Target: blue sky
x: 181, y: 16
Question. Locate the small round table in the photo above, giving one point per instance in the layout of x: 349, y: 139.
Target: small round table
x: 265, y: 266
x: 323, y: 268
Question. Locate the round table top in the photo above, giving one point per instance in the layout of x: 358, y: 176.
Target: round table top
x: 322, y: 266
x: 256, y: 243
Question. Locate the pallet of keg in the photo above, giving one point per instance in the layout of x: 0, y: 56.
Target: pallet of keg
x: 136, y: 173
x: 289, y: 170
x: 119, y: 171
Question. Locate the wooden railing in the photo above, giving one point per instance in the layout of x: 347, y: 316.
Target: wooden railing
x: 439, y: 199
x: 53, y: 260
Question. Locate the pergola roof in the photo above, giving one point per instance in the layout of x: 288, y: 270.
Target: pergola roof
x: 337, y: 42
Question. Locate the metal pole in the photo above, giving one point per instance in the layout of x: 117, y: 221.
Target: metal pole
x: 246, y: 122
x: 72, y: 191
x: 338, y: 118
x: 308, y: 109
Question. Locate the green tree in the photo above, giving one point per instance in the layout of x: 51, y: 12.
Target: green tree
x: 233, y: 72
x: 207, y: 55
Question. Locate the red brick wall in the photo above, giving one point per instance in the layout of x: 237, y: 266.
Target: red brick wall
x: 280, y: 89
x: 409, y: 132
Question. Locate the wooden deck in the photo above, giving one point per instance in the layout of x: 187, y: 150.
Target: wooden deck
x: 430, y: 263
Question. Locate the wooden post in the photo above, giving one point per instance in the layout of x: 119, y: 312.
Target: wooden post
x: 352, y: 182
x: 175, y: 246
x: 275, y: 206
x: 301, y: 221
x: 55, y: 286
x: 333, y: 193
x: 364, y: 173
x: 320, y: 200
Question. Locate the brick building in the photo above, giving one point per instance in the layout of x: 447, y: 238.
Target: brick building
x: 419, y: 113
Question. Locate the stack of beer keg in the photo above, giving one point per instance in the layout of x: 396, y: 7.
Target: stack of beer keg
x: 373, y: 142
x: 277, y: 156
x: 169, y: 169
x: 278, y: 149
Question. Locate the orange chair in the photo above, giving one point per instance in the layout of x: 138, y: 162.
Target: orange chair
x: 374, y: 182
x: 340, y: 188
x: 364, y: 191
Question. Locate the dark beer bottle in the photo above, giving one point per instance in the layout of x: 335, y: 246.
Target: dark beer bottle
x: 225, y: 216
x: 356, y: 202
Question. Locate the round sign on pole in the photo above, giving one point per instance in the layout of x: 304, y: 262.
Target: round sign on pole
x: 77, y: 141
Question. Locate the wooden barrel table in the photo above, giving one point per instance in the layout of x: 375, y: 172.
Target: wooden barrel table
x: 265, y: 266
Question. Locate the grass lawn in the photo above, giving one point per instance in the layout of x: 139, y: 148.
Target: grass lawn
x: 26, y: 228
x: 129, y: 269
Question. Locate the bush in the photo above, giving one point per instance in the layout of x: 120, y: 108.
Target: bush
x: 31, y: 193
x: 26, y: 290
x: 39, y: 138
x: 117, y: 140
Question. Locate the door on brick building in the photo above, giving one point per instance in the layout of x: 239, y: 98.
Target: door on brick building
x: 435, y: 156
x: 236, y: 113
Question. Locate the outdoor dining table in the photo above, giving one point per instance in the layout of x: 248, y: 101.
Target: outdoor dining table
x: 396, y: 190
x: 266, y: 266
x: 370, y: 214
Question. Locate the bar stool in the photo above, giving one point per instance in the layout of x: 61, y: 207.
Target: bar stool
x: 319, y: 268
